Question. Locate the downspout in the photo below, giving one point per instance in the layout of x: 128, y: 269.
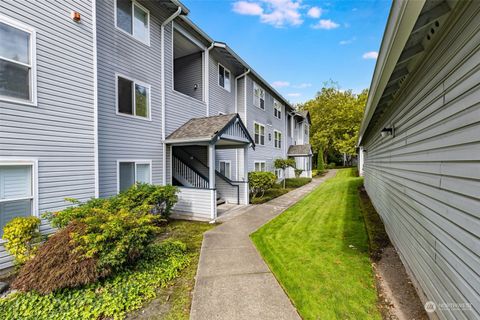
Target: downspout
x: 236, y: 111
x: 162, y: 55
x: 207, y: 77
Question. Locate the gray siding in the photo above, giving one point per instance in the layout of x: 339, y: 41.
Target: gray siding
x: 268, y: 152
x: 59, y: 131
x: 188, y: 72
x: 195, y: 203
x: 221, y: 100
x: 124, y: 137
x: 425, y: 181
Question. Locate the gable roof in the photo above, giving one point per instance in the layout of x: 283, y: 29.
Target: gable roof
x: 209, y: 129
x: 299, y: 150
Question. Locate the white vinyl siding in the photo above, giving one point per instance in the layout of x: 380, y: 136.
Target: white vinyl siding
x: 226, y: 168
x: 259, y: 134
x: 131, y: 172
x: 133, y: 98
x: 133, y: 19
x: 224, y: 76
x: 260, y: 166
x: 17, y: 62
x: 277, y: 139
x: 258, y: 96
x: 17, y: 192
x: 277, y: 109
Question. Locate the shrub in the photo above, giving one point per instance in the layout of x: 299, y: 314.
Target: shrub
x: 269, y: 195
x: 331, y: 165
x: 297, y: 182
x: 260, y: 181
x: 284, y: 164
x: 320, y: 163
x: 110, y: 298
x: 298, y: 172
x: 23, y: 238
x: 58, y: 265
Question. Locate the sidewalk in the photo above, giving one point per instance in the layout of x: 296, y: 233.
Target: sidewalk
x: 233, y: 281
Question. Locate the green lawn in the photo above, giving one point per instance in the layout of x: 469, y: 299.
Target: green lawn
x: 318, y: 250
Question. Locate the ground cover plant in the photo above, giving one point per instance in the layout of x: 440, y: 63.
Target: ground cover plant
x: 318, y: 250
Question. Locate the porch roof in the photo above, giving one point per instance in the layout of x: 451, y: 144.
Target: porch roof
x: 300, y: 150
x: 224, y: 129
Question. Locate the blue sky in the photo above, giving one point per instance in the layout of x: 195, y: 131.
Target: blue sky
x: 298, y: 45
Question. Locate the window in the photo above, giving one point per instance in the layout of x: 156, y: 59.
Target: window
x: 258, y: 96
x: 17, y: 69
x: 133, y: 19
x: 277, y: 109
x: 278, y: 139
x: 133, y: 98
x: 279, y: 173
x: 226, y: 168
x: 16, y: 192
x: 223, y: 77
x: 130, y: 172
x: 259, y: 134
x: 260, y: 166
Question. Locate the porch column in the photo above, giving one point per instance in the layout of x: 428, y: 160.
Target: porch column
x: 211, y: 166
x: 245, y: 174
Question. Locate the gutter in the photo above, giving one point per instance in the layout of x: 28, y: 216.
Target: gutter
x: 401, y: 20
x: 207, y: 77
x: 162, y: 82
x: 236, y: 88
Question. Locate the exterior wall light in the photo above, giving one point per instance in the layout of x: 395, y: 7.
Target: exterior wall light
x: 387, y: 132
x: 75, y: 15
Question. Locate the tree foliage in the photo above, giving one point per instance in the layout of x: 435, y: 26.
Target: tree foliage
x: 336, y: 116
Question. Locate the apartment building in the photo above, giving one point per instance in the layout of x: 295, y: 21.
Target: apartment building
x: 98, y: 95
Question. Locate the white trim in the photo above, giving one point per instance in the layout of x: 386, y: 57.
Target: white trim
x: 187, y: 35
x: 95, y: 101
x: 134, y: 103
x: 264, y: 131
x: 260, y: 162
x: 136, y: 161
x: 274, y: 139
x: 229, y: 167
x: 255, y: 85
x: 33, y: 61
x: 277, y: 106
x: 33, y: 162
x: 229, y: 89
x: 134, y: 3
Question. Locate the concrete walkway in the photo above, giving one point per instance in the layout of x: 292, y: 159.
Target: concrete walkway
x: 233, y: 281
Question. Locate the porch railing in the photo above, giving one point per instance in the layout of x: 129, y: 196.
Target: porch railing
x: 187, y: 175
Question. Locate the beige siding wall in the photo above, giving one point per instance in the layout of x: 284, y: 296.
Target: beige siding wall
x: 425, y: 181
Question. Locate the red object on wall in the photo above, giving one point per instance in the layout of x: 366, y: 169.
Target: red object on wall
x: 75, y: 16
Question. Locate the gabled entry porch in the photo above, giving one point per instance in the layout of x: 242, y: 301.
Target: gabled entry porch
x: 191, y: 153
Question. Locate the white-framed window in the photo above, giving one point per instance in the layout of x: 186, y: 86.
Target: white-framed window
x: 224, y: 76
x: 277, y: 139
x: 279, y: 173
x: 133, y: 171
x: 259, y: 134
x: 133, y: 98
x: 226, y: 168
x: 18, y: 181
x: 258, y: 96
x: 260, y: 165
x: 17, y: 62
x: 277, y: 109
x: 133, y: 19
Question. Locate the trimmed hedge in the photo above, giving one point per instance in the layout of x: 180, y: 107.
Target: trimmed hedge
x: 269, y: 195
x: 297, y: 182
x: 109, y: 298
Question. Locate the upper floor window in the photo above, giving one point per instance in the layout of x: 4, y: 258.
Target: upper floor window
x: 258, y: 96
x: 259, y: 134
x: 131, y: 172
x: 133, y: 98
x: 16, y: 192
x: 278, y: 139
x: 133, y: 19
x: 223, y: 77
x: 277, y: 109
x: 17, y: 69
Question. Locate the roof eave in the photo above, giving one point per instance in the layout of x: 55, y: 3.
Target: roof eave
x: 401, y: 20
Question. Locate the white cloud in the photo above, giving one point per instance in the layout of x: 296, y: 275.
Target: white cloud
x: 247, y: 8
x: 326, y: 24
x: 278, y: 13
x: 315, y: 12
x: 302, y: 85
x: 280, y: 84
x: 294, y: 94
x: 345, y: 42
x: 370, y: 55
